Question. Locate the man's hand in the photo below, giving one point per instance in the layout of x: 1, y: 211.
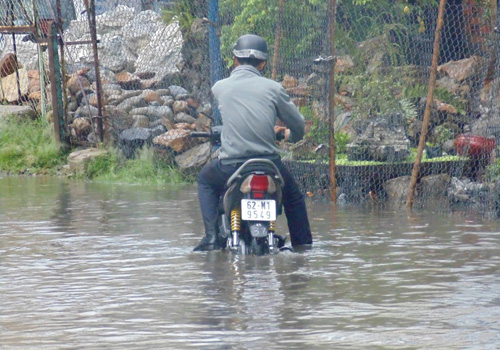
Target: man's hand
x: 281, y: 129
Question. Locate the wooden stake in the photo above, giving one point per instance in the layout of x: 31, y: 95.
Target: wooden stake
x: 331, y: 107
x: 428, y: 106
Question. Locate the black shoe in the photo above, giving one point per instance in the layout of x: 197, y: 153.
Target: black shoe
x: 301, y: 248
x: 208, y: 243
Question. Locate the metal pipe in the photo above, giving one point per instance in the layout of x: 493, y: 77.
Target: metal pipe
x: 55, y: 86
x: 41, y: 66
x: 59, y: 23
x: 277, y: 40
x: 90, y: 7
x: 214, y: 51
x: 331, y: 105
x: 428, y: 106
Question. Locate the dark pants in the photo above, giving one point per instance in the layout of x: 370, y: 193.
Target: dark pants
x: 211, y: 182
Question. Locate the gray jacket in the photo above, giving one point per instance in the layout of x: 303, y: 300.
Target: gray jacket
x: 250, y: 105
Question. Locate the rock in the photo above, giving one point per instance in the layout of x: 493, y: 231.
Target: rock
x: 445, y: 107
x: 300, y: 91
x: 79, y: 160
x: 130, y: 140
x: 289, y: 82
x: 35, y: 96
x: 397, y: 190
x: 203, y: 123
x: 80, y: 128
x: 178, y: 140
x: 34, y: 81
x: 180, y: 106
x: 383, y: 139
x: 149, y: 83
x: 130, y: 103
x: 138, y: 32
x: 168, y: 101
x: 151, y: 96
x: 191, y: 161
x: 8, y: 65
x: 17, y: 111
x: 77, y: 83
x: 107, y: 76
x: 186, y: 126
x: 162, y: 55
x: 175, y: 90
x: 120, y: 119
x: 86, y: 111
x: 114, y: 19
x: 154, y: 112
x: 114, y: 55
x: 9, y: 91
x: 463, y: 69
x: 466, y: 192
x: 184, y: 118
x: 140, y: 121
x: 93, y: 100
x: 82, y: 96
x: 128, y: 80
x: 193, y: 103
x: 434, y: 186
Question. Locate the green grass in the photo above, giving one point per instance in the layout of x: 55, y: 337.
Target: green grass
x: 28, y: 146
x: 341, y: 159
x: 146, y: 168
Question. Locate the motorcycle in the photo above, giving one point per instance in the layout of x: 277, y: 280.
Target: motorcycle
x: 250, y: 205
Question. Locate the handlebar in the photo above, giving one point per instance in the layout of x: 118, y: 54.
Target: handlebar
x: 200, y: 134
x: 215, y: 133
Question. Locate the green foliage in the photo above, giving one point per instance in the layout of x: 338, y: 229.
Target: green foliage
x: 182, y: 12
x: 146, y: 168
x: 417, y: 91
x: 259, y: 17
x: 375, y: 94
x: 408, y: 109
x: 28, y: 146
x: 492, y: 173
x: 341, y: 141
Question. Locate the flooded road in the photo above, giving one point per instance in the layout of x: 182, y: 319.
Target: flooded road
x: 97, y: 266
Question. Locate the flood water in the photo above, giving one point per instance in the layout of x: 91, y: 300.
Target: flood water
x: 98, y: 266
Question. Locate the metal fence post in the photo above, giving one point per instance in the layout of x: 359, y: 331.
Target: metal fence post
x: 214, y: 51
x: 55, y: 84
x: 90, y: 7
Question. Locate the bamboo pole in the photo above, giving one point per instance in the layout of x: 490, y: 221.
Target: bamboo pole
x: 428, y: 106
x: 331, y: 106
x: 490, y: 73
x: 277, y: 40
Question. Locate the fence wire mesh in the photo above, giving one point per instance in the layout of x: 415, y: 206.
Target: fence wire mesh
x: 158, y: 59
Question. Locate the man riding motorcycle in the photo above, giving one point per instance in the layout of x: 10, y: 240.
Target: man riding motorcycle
x: 250, y: 106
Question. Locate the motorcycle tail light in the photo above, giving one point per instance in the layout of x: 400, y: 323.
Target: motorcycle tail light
x: 258, y: 184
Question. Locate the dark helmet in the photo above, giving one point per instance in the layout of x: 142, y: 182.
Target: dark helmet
x: 250, y: 46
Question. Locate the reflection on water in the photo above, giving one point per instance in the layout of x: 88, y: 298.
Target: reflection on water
x: 94, y: 266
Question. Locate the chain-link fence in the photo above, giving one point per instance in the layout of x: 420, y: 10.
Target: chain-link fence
x: 158, y: 59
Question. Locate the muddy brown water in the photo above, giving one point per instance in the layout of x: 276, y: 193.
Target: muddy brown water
x: 98, y: 266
